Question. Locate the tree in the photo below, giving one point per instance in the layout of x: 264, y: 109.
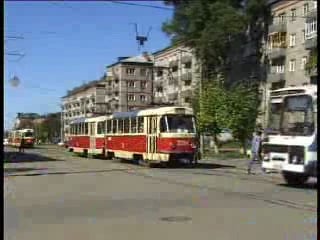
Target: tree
x: 211, y: 27
x: 212, y: 111
x: 312, y: 61
x: 26, y: 123
x: 242, y: 108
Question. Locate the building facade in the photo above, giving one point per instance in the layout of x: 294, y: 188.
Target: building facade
x: 129, y: 83
x: 291, y: 37
x: 85, y: 101
x: 176, y: 75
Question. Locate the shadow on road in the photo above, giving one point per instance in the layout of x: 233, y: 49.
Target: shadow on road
x: 17, y: 157
x: 308, y: 185
x: 199, y: 166
x: 17, y: 170
x: 177, y: 165
x: 66, y: 172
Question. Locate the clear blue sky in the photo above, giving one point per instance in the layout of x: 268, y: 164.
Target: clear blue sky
x: 69, y: 43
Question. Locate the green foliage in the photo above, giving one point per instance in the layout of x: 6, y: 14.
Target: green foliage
x: 243, y: 103
x: 210, y: 27
x: 49, y: 128
x: 212, y: 108
x: 312, y: 62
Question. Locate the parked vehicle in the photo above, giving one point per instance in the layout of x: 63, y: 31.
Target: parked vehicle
x: 225, y: 135
x: 5, y: 141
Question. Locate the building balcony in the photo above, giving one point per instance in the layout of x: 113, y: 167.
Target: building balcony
x: 311, y: 43
x: 278, y: 27
x: 186, y: 59
x: 186, y: 76
x: 173, y: 81
x: 312, y: 13
x: 186, y: 93
x: 276, y: 77
x: 173, y: 63
x: 277, y: 52
x: 173, y: 96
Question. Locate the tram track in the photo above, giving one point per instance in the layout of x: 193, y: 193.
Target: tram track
x: 247, y: 195
x: 137, y: 170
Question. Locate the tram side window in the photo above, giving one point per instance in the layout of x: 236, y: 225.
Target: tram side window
x: 101, y: 127
x: 120, y: 126
x: 109, y: 129
x: 140, y: 124
x: 114, y: 126
x: 81, y: 128
x: 86, y: 129
x: 126, y: 125
x: 133, y: 125
x: 78, y: 129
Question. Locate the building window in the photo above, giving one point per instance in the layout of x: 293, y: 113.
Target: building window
x: 159, y: 89
x: 131, y: 83
x: 188, y: 65
x: 303, y: 63
x: 174, y: 69
x: 143, y: 98
x: 143, y: 85
x: 293, y: 14
x: 282, y: 18
x: 311, y: 29
x: 159, y: 73
x: 187, y: 83
x: 131, y: 97
x: 277, y: 40
x: 292, y: 40
x: 305, y: 9
x: 130, y: 71
x: 280, y: 68
x: 143, y: 72
x: 292, y: 65
x: 116, y: 94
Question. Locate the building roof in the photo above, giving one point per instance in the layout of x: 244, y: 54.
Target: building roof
x: 136, y: 59
x: 86, y: 86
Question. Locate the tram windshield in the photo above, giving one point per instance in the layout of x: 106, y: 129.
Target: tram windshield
x: 298, y: 116
x: 274, y: 117
x: 28, y: 134
x: 177, y: 124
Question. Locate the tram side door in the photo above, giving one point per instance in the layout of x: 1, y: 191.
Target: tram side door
x: 92, y: 135
x: 151, y: 136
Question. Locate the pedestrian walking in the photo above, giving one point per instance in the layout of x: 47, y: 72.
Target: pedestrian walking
x: 21, y: 147
x: 255, y: 150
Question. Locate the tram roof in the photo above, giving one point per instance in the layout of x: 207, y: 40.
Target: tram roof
x: 153, y: 111
x: 145, y: 112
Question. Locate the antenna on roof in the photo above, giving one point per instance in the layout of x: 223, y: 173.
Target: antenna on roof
x: 140, y: 38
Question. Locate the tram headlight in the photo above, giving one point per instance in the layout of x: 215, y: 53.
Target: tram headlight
x: 173, y: 146
x: 266, y: 157
x: 295, y: 159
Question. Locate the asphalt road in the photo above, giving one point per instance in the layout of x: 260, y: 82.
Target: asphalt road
x: 51, y: 194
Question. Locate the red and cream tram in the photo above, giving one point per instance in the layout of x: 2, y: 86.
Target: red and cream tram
x: 87, y: 135
x: 153, y: 135
x: 16, y: 136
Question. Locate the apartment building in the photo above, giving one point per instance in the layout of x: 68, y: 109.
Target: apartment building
x: 129, y: 83
x: 176, y: 74
x: 85, y: 101
x: 26, y: 120
x: 292, y: 36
